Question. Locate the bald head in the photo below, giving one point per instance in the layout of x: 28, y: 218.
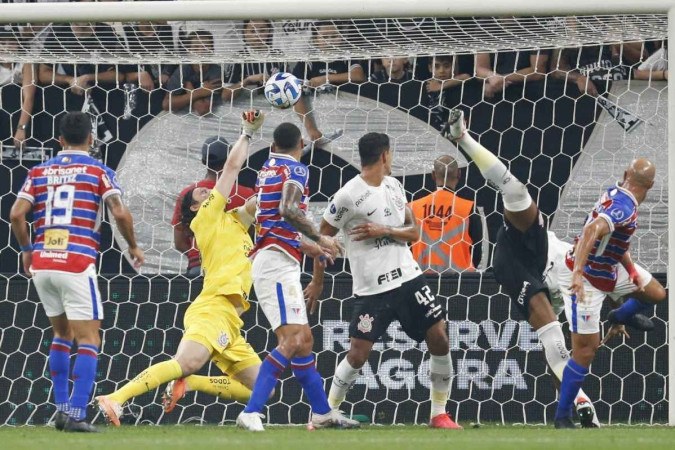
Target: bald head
x: 446, y: 171
x: 641, y: 172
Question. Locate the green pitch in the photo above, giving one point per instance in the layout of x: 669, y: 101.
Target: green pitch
x: 369, y: 438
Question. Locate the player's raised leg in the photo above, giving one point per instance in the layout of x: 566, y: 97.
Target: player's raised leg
x: 521, y: 254
x: 519, y: 208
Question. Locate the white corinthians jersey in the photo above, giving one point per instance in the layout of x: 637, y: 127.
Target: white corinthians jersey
x: 377, y: 265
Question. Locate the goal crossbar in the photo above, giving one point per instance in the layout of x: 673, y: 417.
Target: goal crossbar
x: 300, y: 9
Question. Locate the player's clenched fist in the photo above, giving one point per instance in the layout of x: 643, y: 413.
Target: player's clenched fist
x: 251, y: 121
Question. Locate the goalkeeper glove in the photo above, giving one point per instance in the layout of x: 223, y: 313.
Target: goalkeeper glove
x: 250, y: 122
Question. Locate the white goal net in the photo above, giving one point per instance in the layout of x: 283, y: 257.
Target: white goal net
x: 566, y: 101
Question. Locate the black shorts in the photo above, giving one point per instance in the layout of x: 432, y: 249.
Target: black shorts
x: 412, y: 304
x: 519, y: 263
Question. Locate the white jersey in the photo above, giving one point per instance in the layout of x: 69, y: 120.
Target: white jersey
x: 377, y: 265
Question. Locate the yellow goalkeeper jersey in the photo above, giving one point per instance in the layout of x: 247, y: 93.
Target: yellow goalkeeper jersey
x: 224, y: 243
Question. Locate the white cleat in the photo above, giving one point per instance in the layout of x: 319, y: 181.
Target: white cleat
x: 333, y: 419
x: 250, y: 421
x: 455, y: 129
x: 587, y: 415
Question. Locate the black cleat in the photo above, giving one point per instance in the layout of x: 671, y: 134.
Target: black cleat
x: 79, y: 426
x: 564, y: 423
x: 586, y: 416
x: 637, y: 321
x: 60, y: 419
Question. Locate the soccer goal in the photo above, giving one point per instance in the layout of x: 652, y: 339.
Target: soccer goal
x: 567, y: 92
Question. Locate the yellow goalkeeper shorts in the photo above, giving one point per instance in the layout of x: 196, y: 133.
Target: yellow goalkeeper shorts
x: 213, y: 322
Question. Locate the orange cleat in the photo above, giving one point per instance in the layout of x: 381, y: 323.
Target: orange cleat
x: 444, y: 421
x: 174, y: 391
x: 111, y: 410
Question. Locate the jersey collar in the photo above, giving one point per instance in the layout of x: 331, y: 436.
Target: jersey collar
x: 626, y: 191
x: 282, y: 156
x: 70, y: 151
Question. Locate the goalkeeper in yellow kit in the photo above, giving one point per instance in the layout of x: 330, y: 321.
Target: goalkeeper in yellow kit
x: 212, y: 322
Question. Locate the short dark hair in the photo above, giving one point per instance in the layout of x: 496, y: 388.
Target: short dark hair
x: 75, y: 128
x: 187, y: 214
x: 287, y: 136
x: 440, y: 59
x: 371, y: 147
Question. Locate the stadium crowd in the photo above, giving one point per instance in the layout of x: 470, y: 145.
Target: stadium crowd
x: 122, y: 98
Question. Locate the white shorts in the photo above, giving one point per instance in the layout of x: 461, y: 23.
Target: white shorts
x: 584, y: 318
x: 75, y: 294
x: 276, y: 280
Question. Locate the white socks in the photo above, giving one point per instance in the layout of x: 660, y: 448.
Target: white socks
x: 515, y: 195
x: 555, y: 350
x: 344, y: 377
x: 440, y: 369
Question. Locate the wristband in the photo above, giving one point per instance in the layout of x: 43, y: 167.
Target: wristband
x: 26, y: 248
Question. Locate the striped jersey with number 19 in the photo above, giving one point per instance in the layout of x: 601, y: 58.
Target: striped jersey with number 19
x: 67, y: 193
x: 272, y: 229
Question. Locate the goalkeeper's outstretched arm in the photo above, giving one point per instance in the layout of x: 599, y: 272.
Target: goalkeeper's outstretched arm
x: 251, y: 120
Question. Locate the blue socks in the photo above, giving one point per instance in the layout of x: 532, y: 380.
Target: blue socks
x: 573, y: 378
x: 311, y: 382
x: 270, y: 371
x: 59, y: 368
x: 629, y: 308
x: 84, y: 375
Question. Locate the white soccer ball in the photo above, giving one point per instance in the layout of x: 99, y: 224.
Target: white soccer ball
x: 283, y: 90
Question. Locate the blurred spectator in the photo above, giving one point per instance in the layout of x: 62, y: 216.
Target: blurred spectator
x: 655, y: 67
x: 151, y: 38
x: 394, y: 70
x: 445, y: 75
x: 19, y: 75
x: 195, y: 85
x: 590, y: 68
x: 214, y: 155
x: 258, y: 44
x: 95, y: 38
x: 319, y: 74
x: 292, y: 35
x: 504, y: 69
x: 451, y: 229
x: 226, y: 33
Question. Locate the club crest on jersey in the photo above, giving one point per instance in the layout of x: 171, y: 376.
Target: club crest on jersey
x: 617, y: 214
x: 300, y: 171
x: 365, y: 324
x: 585, y: 317
x: 223, y: 340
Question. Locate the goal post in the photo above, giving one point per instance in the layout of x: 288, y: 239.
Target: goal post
x: 140, y: 323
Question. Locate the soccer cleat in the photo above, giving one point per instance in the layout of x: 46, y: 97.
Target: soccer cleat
x: 637, y: 321
x: 250, y: 421
x: 563, y: 423
x: 60, y: 419
x: 586, y: 415
x: 111, y: 410
x: 174, y: 391
x: 455, y: 128
x: 79, y: 426
x: 333, y: 419
x: 444, y: 421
